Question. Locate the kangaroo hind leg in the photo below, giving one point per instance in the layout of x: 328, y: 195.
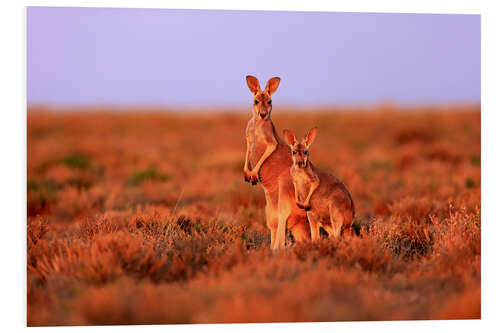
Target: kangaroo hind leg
x: 284, y: 210
x: 336, y: 220
x: 314, y: 225
x: 272, y: 217
x: 299, y: 226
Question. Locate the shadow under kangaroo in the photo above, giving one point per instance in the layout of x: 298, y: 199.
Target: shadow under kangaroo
x: 268, y: 161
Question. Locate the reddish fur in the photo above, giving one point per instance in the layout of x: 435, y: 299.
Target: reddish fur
x: 274, y: 173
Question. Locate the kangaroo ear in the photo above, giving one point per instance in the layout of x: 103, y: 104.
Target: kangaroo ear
x: 309, y: 138
x: 272, y: 85
x: 253, y: 84
x: 289, y: 137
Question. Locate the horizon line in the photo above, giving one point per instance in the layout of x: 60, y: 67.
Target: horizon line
x: 244, y: 108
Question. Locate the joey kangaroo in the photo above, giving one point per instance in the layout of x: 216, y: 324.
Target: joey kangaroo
x: 268, y: 161
x: 325, y: 198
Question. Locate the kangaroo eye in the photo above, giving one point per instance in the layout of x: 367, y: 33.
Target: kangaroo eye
x: 294, y: 152
x: 307, y: 152
x: 256, y: 102
x: 269, y: 102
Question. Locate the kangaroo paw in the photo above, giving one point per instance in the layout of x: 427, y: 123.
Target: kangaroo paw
x: 251, y: 177
x: 247, y: 175
x: 254, y: 180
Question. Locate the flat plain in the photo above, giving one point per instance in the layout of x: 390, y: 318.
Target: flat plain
x: 143, y: 217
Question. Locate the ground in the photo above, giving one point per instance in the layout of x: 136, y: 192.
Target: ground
x: 143, y: 217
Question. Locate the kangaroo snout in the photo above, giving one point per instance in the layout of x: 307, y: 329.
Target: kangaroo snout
x: 301, y: 164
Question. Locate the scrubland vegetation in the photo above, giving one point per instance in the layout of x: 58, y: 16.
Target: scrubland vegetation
x: 144, y: 218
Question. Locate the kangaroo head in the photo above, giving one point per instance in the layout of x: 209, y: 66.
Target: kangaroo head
x: 262, y: 103
x: 300, y: 150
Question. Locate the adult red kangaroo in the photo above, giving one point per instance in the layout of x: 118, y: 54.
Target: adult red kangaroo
x: 268, y: 160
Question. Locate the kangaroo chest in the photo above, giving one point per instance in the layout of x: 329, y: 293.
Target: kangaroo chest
x: 303, y: 182
x: 258, y: 142
x: 259, y: 133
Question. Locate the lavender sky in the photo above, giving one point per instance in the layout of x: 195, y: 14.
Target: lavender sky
x: 101, y: 56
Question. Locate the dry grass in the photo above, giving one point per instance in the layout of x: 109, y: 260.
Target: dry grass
x: 144, y: 218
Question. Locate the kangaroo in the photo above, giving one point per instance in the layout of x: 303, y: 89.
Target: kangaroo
x: 325, y: 198
x: 268, y: 161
